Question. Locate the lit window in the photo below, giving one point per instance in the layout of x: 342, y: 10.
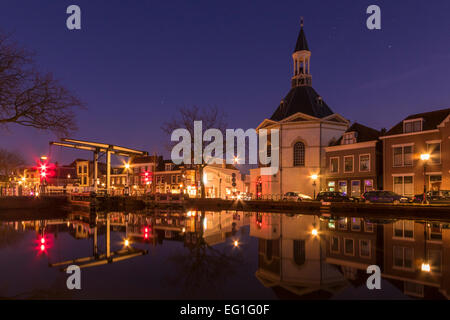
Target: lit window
x: 356, y: 224
x: 403, y: 185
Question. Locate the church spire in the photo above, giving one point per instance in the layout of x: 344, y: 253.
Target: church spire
x: 301, y: 58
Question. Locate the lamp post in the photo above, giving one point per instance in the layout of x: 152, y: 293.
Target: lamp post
x: 127, y: 169
x: 425, y: 157
x: 314, y: 178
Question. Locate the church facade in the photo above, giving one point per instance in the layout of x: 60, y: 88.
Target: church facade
x: 306, y: 125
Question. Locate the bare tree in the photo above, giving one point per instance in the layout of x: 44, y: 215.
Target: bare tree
x: 211, y: 117
x: 9, y: 161
x: 29, y: 98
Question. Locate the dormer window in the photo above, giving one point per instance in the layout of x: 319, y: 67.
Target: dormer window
x: 168, y: 167
x: 319, y: 101
x: 349, y: 138
x: 413, y: 125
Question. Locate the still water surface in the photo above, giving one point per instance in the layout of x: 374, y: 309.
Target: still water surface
x: 223, y: 255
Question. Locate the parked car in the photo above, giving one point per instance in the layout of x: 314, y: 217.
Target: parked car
x: 381, y: 196
x: 296, y: 196
x: 437, y: 197
x: 334, y: 196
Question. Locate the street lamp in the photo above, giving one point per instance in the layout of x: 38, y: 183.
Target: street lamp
x: 314, y: 178
x: 425, y: 157
x: 127, y: 169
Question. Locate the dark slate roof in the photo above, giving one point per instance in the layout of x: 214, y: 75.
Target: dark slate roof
x: 364, y: 133
x: 301, y: 42
x: 431, y: 121
x: 301, y: 99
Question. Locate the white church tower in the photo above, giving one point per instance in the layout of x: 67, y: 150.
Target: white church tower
x: 307, y: 125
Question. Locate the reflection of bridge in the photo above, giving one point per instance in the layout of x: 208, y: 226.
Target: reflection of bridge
x: 97, y: 259
x: 99, y: 148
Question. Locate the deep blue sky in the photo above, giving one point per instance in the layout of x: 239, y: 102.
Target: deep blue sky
x: 135, y: 62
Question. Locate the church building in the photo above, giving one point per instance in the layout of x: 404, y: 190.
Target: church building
x: 306, y: 127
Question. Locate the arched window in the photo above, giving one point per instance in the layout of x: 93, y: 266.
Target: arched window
x: 299, y: 154
x: 299, y: 252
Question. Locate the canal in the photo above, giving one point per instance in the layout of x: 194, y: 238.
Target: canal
x: 166, y: 254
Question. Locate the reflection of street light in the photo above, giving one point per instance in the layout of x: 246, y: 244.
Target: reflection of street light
x: 426, y: 267
x: 425, y: 264
x: 314, y: 178
x: 425, y: 157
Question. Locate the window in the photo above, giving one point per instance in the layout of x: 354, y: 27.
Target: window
x: 413, y: 289
x: 85, y: 180
x: 404, y: 229
x: 356, y: 224
x: 368, y: 226
x: 364, y: 162
x: 334, y: 244
x: 434, y: 149
x: 80, y: 169
x: 331, y: 185
x: 348, y: 164
x: 412, y: 126
x: 334, y: 165
x: 349, y: 248
x: 364, y: 248
x: 403, y: 156
x: 85, y: 169
x: 404, y: 185
x: 174, y: 179
x: 368, y: 185
x: 299, y: 252
x: 269, y: 249
x: 434, y: 232
x: 299, y: 154
x: 349, y: 138
x: 342, y: 187
x: 403, y: 257
x: 356, y: 188
x: 342, y: 223
x: 434, y: 257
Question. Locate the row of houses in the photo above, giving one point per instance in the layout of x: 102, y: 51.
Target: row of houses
x: 335, y: 261
x: 413, y: 154
x: 142, y: 174
x: 320, y: 150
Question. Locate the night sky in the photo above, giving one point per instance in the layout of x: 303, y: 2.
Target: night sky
x: 135, y: 62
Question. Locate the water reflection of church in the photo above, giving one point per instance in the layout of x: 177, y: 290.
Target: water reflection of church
x: 295, y: 264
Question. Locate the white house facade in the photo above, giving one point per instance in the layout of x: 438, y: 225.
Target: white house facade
x: 306, y: 127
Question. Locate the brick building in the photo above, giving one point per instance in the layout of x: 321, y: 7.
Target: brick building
x: 426, y: 133
x: 354, y: 161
